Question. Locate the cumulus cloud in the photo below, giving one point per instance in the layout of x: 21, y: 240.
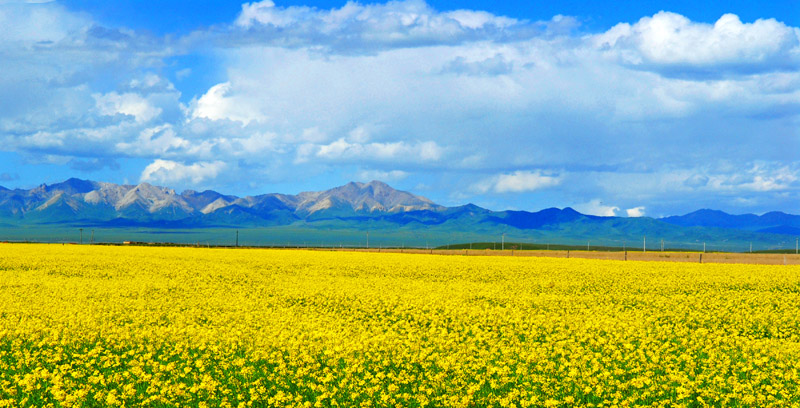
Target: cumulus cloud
x: 394, y: 15
x: 357, y: 27
x: 670, y: 41
x: 638, y: 114
x: 127, y: 104
x: 635, y: 211
x: 218, y: 103
x: 760, y: 177
x: 597, y: 207
x: 56, y: 97
x: 521, y: 181
x: 169, y: 172
x: 158, y: 140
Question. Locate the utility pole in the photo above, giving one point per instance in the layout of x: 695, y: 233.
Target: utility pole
x: 503, y: 244
x: 587, y: 245
x: 662, y: 245
x: 367, y: 239
x: 644, y: 244
x: 237, y: 238
x: 92, y: 240
x: 81, y: 229
x: 751, y: 247
x: 704, y: 247
x: 795, y: 245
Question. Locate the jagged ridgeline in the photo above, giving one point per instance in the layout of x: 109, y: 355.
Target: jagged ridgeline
x: 343, y: 213
x: 146, y: 204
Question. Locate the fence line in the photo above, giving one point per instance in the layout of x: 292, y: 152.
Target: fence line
x: 667, y: 256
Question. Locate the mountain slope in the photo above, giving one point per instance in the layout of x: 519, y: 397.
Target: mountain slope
x: 83, y: 199
x: 771, y: 221
x: 374, y: 196
x: 360, y: 208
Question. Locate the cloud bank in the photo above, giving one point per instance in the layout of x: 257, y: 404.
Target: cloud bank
x: 473, y: 105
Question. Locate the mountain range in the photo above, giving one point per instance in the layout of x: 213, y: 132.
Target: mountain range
x: 373, y: 206
x: 97, y: 202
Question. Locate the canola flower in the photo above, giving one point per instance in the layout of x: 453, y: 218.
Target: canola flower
x: 186, y: 327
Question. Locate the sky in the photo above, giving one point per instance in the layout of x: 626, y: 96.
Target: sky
x: 626, y: 108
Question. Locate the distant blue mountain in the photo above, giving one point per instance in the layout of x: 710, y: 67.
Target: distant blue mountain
x: 550, y: 217
x: 775, y: 222
x: 373, y: 206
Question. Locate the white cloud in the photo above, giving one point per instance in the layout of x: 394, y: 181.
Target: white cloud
x: 341, y: 149
x: 218, y: 103
x: 159, y: 140
x: 475, y: 19
x: 635, y: 211
x: 167, y: 172
x: 760, y: 177
x: 597, y: 207
x: 643, y: 113
x: 57, y: 98
x: 363, y: 27
x: 772, y: 180
x: 530, y: 92
x: 127, y: 104
x: 35, y: 23
x: 517, y: 182
x: 151, y: 82
x: 521, y: 181
x: 747, y: 186
x: 264, y: 12
x: 313, y: 135
x: 255, y: 144
x: 360, y: 134
x: 672, y: 40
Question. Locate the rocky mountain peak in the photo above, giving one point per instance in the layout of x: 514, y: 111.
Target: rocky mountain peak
x: 372, y: 196
x: 145, y: 200
x: 73, y: 186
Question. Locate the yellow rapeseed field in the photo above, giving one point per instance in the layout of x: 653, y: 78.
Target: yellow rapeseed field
x: 177, y: 327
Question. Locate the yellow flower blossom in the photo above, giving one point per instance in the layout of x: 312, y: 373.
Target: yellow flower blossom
x: 137, y: 326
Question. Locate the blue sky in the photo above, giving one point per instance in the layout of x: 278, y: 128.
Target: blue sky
x: 638, y: 108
